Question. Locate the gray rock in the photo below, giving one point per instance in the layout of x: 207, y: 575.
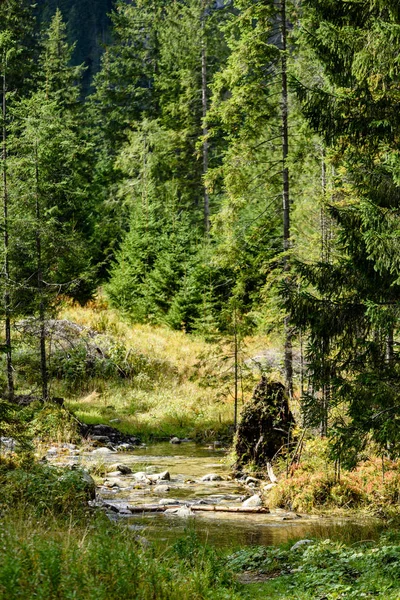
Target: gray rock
x: 140, y: 476
x: 125, y: 447
x: 253, y: 502
x: 168, y: 502
x: 8, y: 443
x: 52, y: 451
x: 90, y: 485
x: 175, y: 440
x: 301, y: 543
x: 125, y: 470
x: 164, y: 476
x: 252, y: 480
x: 212, y: 477
x: 161, y: 489
x: 102, y: 450
x: 114, y: 474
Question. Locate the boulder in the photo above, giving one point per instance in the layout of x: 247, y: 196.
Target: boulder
x: 175, y: 440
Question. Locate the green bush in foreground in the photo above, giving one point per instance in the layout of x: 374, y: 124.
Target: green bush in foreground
x: 324, y: 569
x: 44, y: 489
x: 103, y: 561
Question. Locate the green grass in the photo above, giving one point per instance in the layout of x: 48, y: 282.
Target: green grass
x: 179, y: 383
x: 92, y: 559
x: 103, y: 561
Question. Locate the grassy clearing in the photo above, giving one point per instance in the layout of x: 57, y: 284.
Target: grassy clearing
x: 180, y: 385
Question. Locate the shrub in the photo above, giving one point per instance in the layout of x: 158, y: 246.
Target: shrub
x: 44, y: 489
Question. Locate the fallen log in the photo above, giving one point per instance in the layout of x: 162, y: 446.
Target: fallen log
x: 200, y: 508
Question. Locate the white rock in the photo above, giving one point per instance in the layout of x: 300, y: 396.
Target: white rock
x: 102, y: 450
x: 140, y: 476
x: 269, y: 487
x: 164, y: 476
x: 253, y: 502
x: 212, y: 477
x: 161, y: 489
x: 114, y: 474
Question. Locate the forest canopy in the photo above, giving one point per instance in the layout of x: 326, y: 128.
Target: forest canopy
x: 218, y: 167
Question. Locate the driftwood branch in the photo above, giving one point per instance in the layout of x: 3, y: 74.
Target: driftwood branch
x: 199, y: 508
x: 271, y: 473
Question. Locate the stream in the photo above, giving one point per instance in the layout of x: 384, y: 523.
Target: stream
x: 187, y: 463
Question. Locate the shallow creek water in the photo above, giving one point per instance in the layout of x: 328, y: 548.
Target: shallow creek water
x: 187, y: 463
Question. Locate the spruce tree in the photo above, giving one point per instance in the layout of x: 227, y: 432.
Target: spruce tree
x: 351, y: 307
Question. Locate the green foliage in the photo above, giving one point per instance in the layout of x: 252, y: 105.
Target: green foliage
x: 102, y: 562
x: 349, y: 303
x: 43, y: 490
x: 49, y: 423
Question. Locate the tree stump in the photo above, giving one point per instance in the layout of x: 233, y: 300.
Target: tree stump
x: 264, y: 425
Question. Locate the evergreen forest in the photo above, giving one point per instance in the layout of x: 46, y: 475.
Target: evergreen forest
x: 201, y: 193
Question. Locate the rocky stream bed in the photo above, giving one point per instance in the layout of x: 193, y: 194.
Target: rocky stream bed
x: 163, y: 490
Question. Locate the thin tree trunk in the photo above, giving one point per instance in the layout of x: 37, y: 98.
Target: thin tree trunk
x: 286, y: 196
x: 326, y: 388
x: 204, y: 111
x: 6, y: 244
x: 390, y: 346
x: 236, y: 353
x: 42, y: 312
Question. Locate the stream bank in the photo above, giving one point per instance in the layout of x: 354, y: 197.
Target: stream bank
x: 195, y: 474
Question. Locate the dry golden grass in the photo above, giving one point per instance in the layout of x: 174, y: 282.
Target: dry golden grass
x: 191, y: 395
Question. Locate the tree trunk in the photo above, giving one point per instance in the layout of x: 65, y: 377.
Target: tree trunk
x: 6, y: 244
x: 286, y: 195
x: 42, y: 312
x: 204, y: 111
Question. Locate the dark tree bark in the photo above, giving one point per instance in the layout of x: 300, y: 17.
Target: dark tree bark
x: 40, y: 288
x: 204, y: 103
x: 6, y: 244
x: 288, y: 351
